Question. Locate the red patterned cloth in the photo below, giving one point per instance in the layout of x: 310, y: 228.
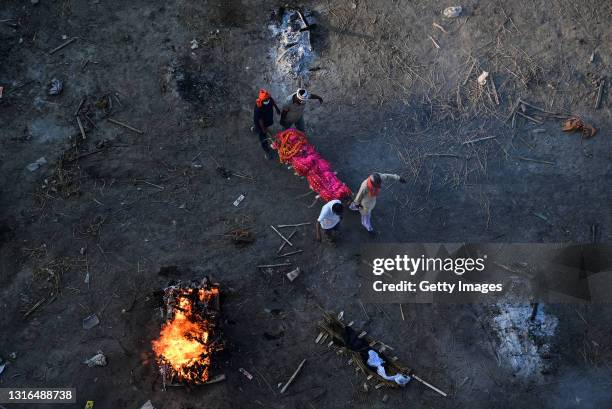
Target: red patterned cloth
x: 293, y: 149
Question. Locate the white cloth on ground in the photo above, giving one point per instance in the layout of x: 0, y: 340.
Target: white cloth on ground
x: 375, y: 361
x: 328, y: 219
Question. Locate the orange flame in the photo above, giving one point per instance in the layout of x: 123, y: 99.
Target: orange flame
x: 183, y: 342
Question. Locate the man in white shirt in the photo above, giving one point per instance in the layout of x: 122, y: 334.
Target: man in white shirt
x: 329, y: 219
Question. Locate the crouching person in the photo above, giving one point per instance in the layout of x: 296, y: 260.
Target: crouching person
x: 329, y: 220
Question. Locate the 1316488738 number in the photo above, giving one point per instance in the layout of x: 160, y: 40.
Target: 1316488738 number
x: 38, y: 395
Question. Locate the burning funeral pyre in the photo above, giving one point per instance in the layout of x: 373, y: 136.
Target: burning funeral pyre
x: 189, y: 335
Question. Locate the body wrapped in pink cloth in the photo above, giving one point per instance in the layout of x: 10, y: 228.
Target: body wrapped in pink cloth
x: 293, y: 149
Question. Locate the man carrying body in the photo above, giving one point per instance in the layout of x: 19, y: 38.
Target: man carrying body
x: 329, y: 219
x: 263, y: 117
x: 293, y: 111
x: 366, y: 197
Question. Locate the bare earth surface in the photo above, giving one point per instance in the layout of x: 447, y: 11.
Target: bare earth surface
x: 393, y: 102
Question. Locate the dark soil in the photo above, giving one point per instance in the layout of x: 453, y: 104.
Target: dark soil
x: 138, y: 210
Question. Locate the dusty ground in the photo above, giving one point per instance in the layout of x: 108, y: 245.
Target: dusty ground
x: 393, y: 102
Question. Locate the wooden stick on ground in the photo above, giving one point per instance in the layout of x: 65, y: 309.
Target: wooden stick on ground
x: 76, y: 113
x: 479, y: 139
x: 81, y: 127
x: 282, y: 246
x: 150, y: 184
x: 402, y: 312
x: 290, y: 254
x: 299, y: 368
x: 434, y: 42
x: 602, y: 84
x: 529, y: 117
x: 469, y: 73
x: 535, y: 160
x: 273, y: 265
x: 428, y: 385
x: 439, y: 27
x: 281, y: 236
x: 494, y: 88
x: 293, y: 225
x: 59, y: 47
x: 131, y: 128
x: 35, y: 307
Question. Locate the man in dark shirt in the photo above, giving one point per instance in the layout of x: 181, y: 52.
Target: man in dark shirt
x: 263, y: 117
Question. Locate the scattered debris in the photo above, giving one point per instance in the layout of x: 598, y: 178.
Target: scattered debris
x: 246, y: 373
x: 56, y: 87
x: 194, y: 44
x: 293, y: 274
x: 97, y: 360
x: 452, y: 12
x: 147, y: 405
x: 482, y: 78
x: 90, y: 321
x: 2, y: 366
x: 34, y: 166
x: 224, y: 172
x: 239, y: 200
x: 574, y: 124
x: 241, y: 236
x: 299, y: 368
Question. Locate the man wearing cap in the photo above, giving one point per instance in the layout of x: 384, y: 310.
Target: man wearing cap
x: 293, y: 111
x: 329, y: 219
x: 263, y: 117
x: 368, y: 192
